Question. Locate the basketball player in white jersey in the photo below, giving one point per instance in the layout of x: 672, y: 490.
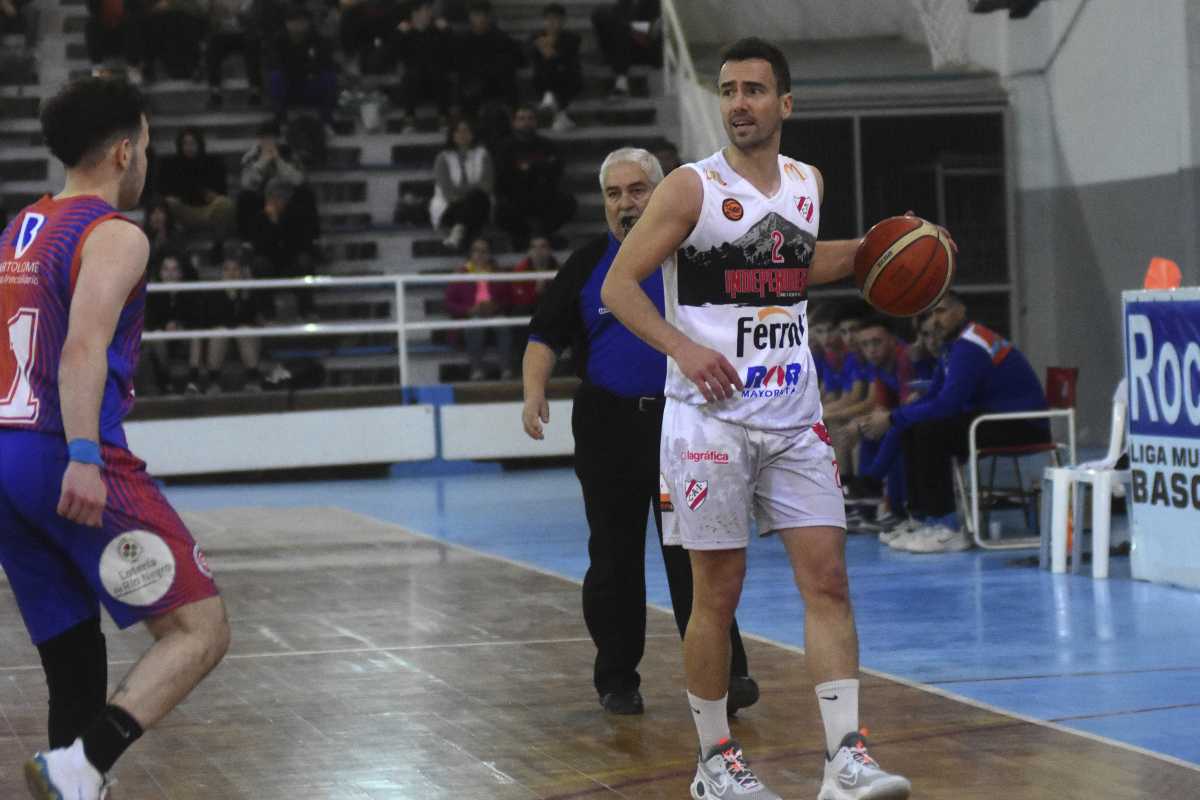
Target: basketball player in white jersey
x: 736, y: 234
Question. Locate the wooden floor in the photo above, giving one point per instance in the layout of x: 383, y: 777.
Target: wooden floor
x: 372, y: 663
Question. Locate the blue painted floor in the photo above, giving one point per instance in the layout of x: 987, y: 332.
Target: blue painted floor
x: 1117, y: 658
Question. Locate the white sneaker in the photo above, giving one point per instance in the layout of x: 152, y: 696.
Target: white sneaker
x: 938, y: 539
x: 724, y: 773
x: 903, y: 528
x: 548, y: 101
x: 562, y: 122
x: 853, y: 775
x: 64, y: 774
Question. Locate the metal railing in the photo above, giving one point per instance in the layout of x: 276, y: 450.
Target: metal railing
x: 702, y: 130
x: 398, y: 325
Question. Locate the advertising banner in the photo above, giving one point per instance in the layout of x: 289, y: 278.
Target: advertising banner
x: 1162, y: 370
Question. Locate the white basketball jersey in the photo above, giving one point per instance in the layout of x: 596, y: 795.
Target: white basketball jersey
x: 739, y: 284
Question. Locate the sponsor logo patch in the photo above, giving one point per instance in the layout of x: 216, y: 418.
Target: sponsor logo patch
x: 137, y: 568
x: 201, y: 562
x: 771, y: 328
x: 696, y: 493
x: 806, y: 207
x: 706, y: 456
x: 789, y: 168
x: 776, y: 380
x: 732, y: 209
x: 766, y: 282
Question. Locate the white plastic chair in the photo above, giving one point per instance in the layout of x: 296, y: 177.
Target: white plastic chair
x: 1100, y: 476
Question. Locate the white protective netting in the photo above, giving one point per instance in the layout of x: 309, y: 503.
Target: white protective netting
x: 945, y: 23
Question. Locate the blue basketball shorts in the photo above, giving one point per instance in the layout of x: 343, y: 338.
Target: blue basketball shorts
x: 142, y: 562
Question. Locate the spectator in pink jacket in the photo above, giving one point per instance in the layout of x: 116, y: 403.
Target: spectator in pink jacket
x: 481, y: 300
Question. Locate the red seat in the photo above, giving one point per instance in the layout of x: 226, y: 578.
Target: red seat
x: 980, y: 497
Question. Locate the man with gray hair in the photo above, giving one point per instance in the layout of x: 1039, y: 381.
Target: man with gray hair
x: 616, y: 421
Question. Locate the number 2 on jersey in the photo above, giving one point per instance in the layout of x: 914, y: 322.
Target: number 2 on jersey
x: 776, y: 244
x: 19, y: 404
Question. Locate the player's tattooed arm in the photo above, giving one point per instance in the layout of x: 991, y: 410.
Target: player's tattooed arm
x: 113, y: 261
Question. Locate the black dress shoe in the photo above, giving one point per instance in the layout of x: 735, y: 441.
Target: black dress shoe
x: 743, y: 693
x: 623, y: 702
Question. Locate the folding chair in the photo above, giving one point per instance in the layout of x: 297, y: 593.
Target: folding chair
x: 1060, y: 396
x: 1100, y: 475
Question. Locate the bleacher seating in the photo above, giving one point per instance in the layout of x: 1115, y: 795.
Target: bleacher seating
x: 357, y: 186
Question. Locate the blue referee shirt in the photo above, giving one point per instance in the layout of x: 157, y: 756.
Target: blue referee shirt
x: 607, y: 354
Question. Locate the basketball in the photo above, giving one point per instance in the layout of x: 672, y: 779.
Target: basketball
x: 904, y: 265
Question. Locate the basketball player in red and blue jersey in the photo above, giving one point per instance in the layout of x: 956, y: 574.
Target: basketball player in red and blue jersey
x: 81, y: 523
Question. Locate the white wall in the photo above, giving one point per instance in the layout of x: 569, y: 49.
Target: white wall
x: 1105, y: 165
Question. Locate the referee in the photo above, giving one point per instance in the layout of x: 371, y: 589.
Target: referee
x: 617, y: 423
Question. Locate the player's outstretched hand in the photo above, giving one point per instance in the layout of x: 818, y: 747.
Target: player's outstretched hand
x: 712, y: 373
x: 535, y: 412
x: 83, y: 494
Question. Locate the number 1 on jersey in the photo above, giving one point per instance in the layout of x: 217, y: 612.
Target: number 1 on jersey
x: 19, y: 404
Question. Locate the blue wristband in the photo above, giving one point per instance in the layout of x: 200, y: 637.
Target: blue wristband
x: 85, y: 451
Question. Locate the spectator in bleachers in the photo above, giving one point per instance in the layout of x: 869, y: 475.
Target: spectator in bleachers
x: 818, y: 339
x: 269, y: 159
x: 20, y: 17
x: 529, y: 194
x: 557, y: 71
x: 926, y: 352
x: 668, y: 155
x: 193, y: 183
x: 846, y: 376
x: 285, y: 238
x: 234, y: 308
x: 462, y: 185
x: 889, y: 372
x: 487, y: 61
x: 302, y: 71
x: 172, y: 31
x: 424, y: 47
x: 173, y: 311
x: 629, y: 32
x: 983, y: 373
x: 113, y: 29
x: 365, y: 35
x: 523, y: 295
x: 481, y: 300
x: 233, y: 26
x: 161, y: 229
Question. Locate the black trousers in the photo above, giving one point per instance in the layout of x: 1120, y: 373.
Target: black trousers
x: 620, y: 47
x: 470, y: 210
x: 616, y: 460
x: 930, y: 447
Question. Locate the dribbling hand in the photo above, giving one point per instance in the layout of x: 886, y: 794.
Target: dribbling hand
x: 712, y: 373
x: 533, y: 415
x: 83, y: 494
x: 946, y: 233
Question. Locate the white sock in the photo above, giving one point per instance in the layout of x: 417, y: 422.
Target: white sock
x: 712, y: 721
x: 839, y: 711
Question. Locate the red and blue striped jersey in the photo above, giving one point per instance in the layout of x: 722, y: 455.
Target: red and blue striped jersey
x: 39, y: 265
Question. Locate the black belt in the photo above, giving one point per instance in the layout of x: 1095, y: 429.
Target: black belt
x: 644, y: 404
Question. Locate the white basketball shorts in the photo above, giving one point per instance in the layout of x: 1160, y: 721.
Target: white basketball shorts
x: 715, y: 474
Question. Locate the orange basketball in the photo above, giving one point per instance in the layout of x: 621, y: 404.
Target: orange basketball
x: 904, y: 265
